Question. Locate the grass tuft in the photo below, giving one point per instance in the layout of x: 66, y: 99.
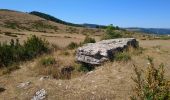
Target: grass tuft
x: 72, y: 45
x: 122, y: 56
x: 47, y: 61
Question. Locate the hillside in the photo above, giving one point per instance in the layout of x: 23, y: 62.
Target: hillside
x: 38, y: 58
x: 51, y: 18
x: 19, y: 21
x: 15, y: 24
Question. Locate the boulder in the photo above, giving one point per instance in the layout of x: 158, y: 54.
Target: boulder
x: 99, y: 52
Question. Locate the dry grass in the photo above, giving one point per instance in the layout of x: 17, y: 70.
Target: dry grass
x: 113, y: 78
x: 61, y: 37
x: 59, y: 65
x: 109, y: 81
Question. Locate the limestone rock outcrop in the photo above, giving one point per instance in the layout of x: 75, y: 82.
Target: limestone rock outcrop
x: 99, y: 52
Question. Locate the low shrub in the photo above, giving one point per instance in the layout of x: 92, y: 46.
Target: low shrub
x: 150, y: 84
x: 48, y: 61
x: 50, y: 67
x: 15, y: 52
x: 122, y: 56
x: 72, y: 45
x: 84, y: 67
x: 35, y: 46
x: 111, y: 33
x: 12, y: 25
x: 40, y: 25
x: 89, y: 40
x: 47, y: 66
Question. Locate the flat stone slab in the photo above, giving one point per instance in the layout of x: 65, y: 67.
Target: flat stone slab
x: 99, y: 52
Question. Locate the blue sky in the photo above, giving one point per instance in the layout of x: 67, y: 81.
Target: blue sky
x: 124, y: 13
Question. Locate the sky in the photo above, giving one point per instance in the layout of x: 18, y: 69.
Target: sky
x: 123, y: 13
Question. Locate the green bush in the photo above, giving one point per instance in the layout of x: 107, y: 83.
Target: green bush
x: 84, y: 67
x: 15, y: 52
x: 35, y: 46
x: 111, y: 33
x: 122, y: 56
x: 150, y: 84
x: 72, y: 45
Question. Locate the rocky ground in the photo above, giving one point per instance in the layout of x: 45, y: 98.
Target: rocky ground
x: 109, y: 81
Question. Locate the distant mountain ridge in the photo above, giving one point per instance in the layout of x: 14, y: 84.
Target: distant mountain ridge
x: 159, y: 31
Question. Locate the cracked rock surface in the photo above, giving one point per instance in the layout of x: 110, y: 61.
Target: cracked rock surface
x: 99, y: 52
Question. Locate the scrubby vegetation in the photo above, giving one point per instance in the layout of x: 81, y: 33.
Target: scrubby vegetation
x: 50, y: 66
x: 122, y: 56
x: 72, y: 30
x: 40, y: 25
x: 47, y: 61
x: 84, y: 67
x: 111, y: 33
x: 127, y: 54
x: 72, y: 45
x: 47, y: 66
x: 150, y: 84
x: 87, y: 39
x: 15, y: 52
x: 88, y: 31
x: 15, y: 25
x: 12, y: 25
